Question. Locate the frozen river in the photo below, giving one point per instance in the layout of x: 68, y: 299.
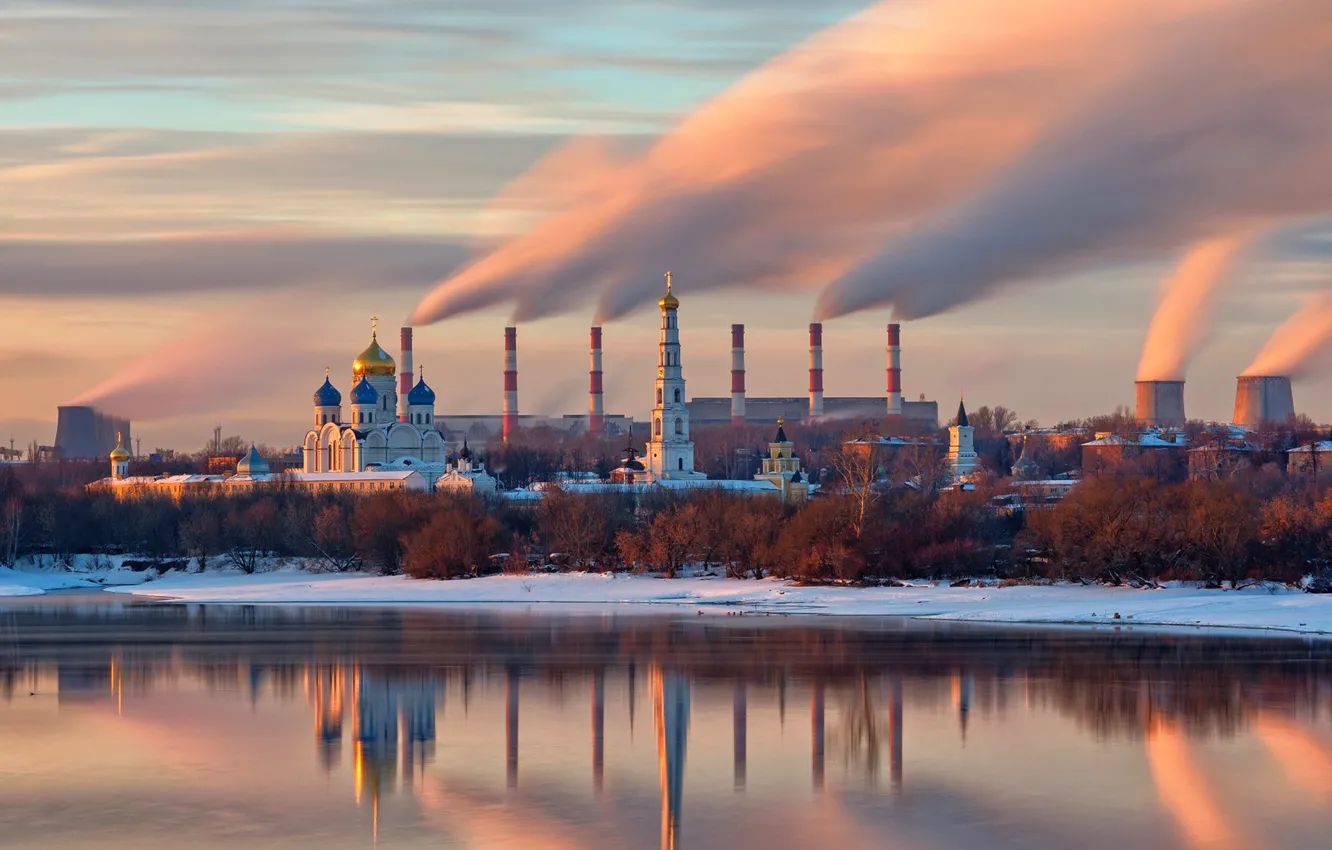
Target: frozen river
x: 126, y: 724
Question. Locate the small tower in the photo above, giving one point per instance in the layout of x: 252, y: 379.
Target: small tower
x: 670, y: 452
x: 962, y: 459
x: 327, y: 403
x: 364, y: 404
x: 120, y: 459
x: 421, y: 404
x: 782, y: 467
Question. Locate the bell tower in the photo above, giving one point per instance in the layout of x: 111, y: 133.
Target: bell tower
x: 670, y: 452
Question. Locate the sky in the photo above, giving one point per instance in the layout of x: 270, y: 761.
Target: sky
x: 252, y: 181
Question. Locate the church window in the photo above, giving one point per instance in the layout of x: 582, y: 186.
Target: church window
x: 681, y: 462
x: 658, y: 396
x: 657, y: 427
x: 679, y: 426
x: 677, y: 395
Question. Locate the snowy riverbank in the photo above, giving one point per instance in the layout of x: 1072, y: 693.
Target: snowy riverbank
x: 1254, y: 608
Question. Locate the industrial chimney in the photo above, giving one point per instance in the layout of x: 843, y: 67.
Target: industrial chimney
x: 815, y: 371
x: 737, y: 374
x: 510, y: 383
x: 596, y: 411
x: 406, y: 379
x: 894, y: 370
x: 1160, y: 403
x: 1263, y: 398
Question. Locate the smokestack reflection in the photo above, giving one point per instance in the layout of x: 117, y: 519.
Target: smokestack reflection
x: 816, y: 711
x: 739, y: 724
x: 895, y: 735
x: 598, y: 729
x: 511, y: 727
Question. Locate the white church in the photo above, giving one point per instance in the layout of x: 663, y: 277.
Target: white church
x: 380, y: 427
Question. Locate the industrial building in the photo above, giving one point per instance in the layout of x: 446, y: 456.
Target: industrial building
x: 85, y: 433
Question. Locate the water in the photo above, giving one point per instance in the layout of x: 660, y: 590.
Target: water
x: 136, y: 725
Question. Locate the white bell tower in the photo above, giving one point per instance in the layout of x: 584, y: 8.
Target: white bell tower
x: 670, y: 452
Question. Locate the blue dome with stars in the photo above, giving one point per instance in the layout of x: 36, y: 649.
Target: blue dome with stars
x: 364, y: 393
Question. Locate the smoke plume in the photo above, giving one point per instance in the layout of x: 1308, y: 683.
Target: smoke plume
x: 805, y: 168
x: 1216, y: 125
x: 1177, y: 326
x: 225, y: 358
x: 1298, y: 341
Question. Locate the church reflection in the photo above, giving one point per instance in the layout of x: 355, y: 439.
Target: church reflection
x: 376, y: 685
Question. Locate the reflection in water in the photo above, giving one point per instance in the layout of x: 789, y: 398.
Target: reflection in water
x: 992, y: 713
x: 670, y: 713
x: 1186, y: 792
x: 1307, y: 760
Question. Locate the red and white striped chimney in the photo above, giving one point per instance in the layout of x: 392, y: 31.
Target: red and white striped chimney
x: 510, y: 382
x: 737, y: 374
x: 596, y: 411
x: 815, y: 371
x: 405, y: 376
x: 894, y: 370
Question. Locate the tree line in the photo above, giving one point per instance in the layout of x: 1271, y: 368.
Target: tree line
x: 1117, y: 529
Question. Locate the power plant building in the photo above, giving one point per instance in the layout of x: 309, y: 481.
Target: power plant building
x: 85, y: 433
x: 1159, y: 404
x: 922, y: 415
x: 1263, y: 398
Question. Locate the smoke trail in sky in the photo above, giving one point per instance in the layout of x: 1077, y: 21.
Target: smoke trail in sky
x: 225, y: 358
x: 810, y: 164
x: 1216, y: 125
x: 1294, y: 345
x: 1181, y: 318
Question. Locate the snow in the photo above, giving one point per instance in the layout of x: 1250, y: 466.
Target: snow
x: 1252, y: 608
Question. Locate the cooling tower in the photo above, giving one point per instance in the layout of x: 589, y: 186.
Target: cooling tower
x: 83, y: 432
x: 1160, y: 403
x: 1263, y: 398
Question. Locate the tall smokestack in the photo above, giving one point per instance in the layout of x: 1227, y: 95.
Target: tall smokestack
x: 406, y: 378
x: 510, y: 382
x: 737, y: 374
x: 1263, y: 398
x: 596, y: 411
x: 815, y: 371
x: 894, y: 370
x: 1160, y: 403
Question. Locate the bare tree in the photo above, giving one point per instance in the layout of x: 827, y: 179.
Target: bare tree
x: 858, y: 466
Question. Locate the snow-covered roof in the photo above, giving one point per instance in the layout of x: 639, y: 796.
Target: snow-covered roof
x: 334, y: 477
x: 1112, y: 440
x: 1156, y: 441
x: 1320, y: 446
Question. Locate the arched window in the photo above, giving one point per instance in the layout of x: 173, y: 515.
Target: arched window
x: 679, y: 426
x: 657, y: 427
x: 658, y: 396
x: 681, y: 462
x: 677, y: 395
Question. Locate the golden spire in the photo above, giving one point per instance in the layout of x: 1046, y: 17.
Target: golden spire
x: 119, y: 453
x: 374, y: 327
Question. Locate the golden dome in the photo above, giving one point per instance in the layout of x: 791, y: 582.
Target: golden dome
x: 668, y: 301
x: 119, y: 453
x: 374, y: 362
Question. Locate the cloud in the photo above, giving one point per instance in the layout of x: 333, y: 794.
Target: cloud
x: 803, y: 169
x: 228, y: 264
x: 1211, y: 129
